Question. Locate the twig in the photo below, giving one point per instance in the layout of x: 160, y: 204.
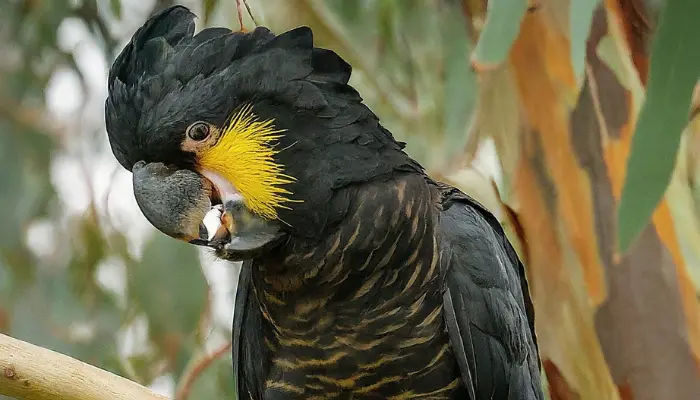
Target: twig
x: 247, y: 7
x: 240, y: 15
x: 196, y: 370
x: 30, y: 372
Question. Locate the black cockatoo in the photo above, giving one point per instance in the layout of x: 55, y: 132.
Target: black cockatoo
x: 362, y: 276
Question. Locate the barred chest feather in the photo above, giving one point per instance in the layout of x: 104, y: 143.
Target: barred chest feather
x: 360, y: 316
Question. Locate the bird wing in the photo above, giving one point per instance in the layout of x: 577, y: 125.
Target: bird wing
x: 487, y: 306
x: 250, y: 355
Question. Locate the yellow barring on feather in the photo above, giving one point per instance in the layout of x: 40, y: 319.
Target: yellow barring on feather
x: 243, y: 155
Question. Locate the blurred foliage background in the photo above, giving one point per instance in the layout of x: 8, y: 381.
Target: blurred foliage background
x: 532, y: 110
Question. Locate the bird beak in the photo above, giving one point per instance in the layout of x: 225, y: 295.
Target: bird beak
x: 188, y: 206
x: 243, y: 233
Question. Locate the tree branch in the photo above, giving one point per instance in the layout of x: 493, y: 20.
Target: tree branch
x: 195, y: 370
x: 30, y: 372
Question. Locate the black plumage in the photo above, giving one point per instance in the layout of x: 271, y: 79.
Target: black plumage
x: 422, y: 284
x: 386, y: 284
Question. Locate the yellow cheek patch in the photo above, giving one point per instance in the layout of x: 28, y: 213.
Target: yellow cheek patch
x: 243, y: 155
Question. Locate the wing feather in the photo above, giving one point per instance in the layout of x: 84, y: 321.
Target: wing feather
x: 487, y: 305
x: 250, y: 356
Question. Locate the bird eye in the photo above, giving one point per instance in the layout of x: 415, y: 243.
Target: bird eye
x: 198, y: 131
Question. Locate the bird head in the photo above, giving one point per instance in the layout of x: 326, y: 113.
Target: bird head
x: 265, y: 127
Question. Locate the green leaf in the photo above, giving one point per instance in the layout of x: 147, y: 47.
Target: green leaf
x: 90, y: 249
x: 6, y: 285
x: 209, y: 6
x: 27, y: 188
x: 673, y: 73
x: 216, y: 382
x: 461, y: 87
x: 502, y: 27
x: 169, y: 287
x: 142, y: 367
x: 27, y: 191
x: 580, y: 18
x: 116, y: 7
x: 51, y: 314
x: 350, y: 11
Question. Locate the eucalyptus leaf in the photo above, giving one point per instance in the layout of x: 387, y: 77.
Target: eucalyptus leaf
x: 580, y: 18
x: 503, y: 20
x: 52, y: 314
x: 116, y: 7
x: 209, y: 7
x: 168, y: 285
x: 674, y: 71
x: 26, y: 190
x: 460, y: 85
x: 216, y: 382
x: 91, y: 249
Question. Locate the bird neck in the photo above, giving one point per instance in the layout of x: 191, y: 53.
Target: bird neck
x: 384, y: 248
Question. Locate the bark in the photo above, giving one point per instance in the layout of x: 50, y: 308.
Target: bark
x: 29, y: 372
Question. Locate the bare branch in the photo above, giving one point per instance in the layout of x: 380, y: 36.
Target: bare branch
x: 240, y: 15
x: 247, y: 7
x: 30, y: 372
x: 196, y: 369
